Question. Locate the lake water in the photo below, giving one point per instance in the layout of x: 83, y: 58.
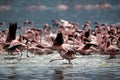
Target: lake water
x: 19, y: 12
x: 92, y: 67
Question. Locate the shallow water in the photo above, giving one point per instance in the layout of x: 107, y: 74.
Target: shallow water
x: 92, y: 67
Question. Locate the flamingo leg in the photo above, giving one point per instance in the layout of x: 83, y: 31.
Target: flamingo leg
x: 69, y: 61
x: 27, y: 54
x: 112, y: 57
x: 34, y: 52
x: 21, y: 53
x: 8, y: 52
x: 18, y: 53
x: 56, y: 59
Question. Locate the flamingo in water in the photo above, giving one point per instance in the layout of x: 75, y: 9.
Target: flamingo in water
x: 110, y: 49
x: 11, y: 44
x: 67, y: 54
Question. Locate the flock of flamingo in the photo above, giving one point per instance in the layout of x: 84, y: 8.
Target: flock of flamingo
x: 68, y: 39
x: 62, y: 7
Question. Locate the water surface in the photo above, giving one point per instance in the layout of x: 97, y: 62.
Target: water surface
x: 92, y: 67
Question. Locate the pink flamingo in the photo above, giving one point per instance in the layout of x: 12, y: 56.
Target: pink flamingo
x: 11, y: 44
x: 16, y: 46
x: 61, y: 7
x: 64, y: 53
x: 28, y: 25
x: 110, y: 49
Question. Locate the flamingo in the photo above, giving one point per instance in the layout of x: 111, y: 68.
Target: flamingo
x: 56, y: 23
x: 64, y: 53
x: 105, y: 5
x: 37, y: 7
x: 28, y: 24
x: 110, y: 49
x: 11, y: 44
x: 5, y: 7
x: 61, y: 7
x: 17, y: 46
x: 49, y: 36
x: 42, y: 7
x: 36, y: 48
x: 87, y: 49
